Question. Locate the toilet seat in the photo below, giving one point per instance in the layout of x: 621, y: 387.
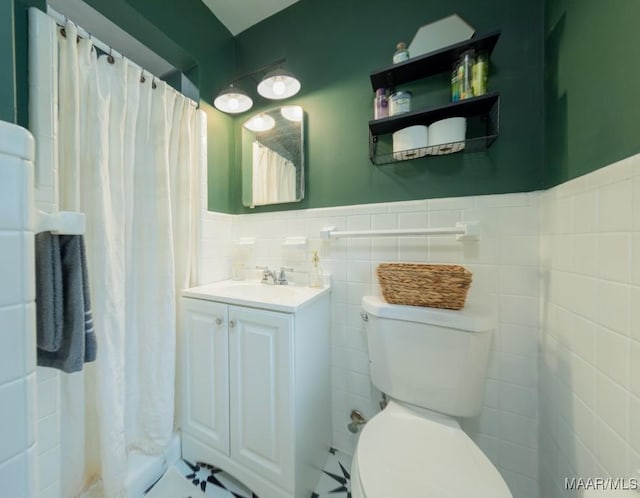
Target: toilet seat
x: 405, y: 453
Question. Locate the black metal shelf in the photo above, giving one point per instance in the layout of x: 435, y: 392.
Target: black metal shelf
x: 483, y: 124
x: 475, y: 106
x: 485, y: 110
x: 430, y: 64
x: 474, y: 144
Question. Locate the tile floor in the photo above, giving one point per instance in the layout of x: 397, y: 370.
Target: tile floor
x: 212, y: 482
x: 336, y: 476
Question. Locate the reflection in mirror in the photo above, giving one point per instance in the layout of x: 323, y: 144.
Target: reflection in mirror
x: 273, y: 157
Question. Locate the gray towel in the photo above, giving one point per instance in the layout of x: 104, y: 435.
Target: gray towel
x: 62, y: 257
x: 48, y: 292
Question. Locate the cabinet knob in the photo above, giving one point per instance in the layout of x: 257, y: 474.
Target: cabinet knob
x: 232, y: 324
x: 218, y: 321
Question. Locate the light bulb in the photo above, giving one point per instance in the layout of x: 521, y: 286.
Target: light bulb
x: 233, y: 100
x: 292, y: 112
x: 260, y: 122
x: 279, y: 87
x: 278, y: 84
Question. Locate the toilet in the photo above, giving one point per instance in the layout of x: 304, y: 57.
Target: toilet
x: 431, y: 363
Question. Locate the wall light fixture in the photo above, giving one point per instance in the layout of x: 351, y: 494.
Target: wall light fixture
x: 233, y: 100
x: 276, y: 84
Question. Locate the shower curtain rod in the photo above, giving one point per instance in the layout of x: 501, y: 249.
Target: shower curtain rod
x: 61, y: 20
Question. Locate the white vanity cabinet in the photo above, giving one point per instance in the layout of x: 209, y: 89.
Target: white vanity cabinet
x: 205, y: 394
x: 256, y: 398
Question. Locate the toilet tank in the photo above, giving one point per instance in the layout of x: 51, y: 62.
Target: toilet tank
x: 428, y: 357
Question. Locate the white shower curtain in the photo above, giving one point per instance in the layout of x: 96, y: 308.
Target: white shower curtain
x: 127, y: 159
x: 273, y: 177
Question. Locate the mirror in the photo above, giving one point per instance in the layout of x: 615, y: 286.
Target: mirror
x: 273, y: 157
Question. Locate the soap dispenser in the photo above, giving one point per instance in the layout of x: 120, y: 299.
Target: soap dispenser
x: 315, y: 277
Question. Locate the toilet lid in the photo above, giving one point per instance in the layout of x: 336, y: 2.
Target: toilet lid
x: 402, y: 454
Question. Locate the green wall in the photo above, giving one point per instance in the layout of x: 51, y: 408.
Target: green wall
x: 7, y: 63
x: 333, y: 45
x: 592, y: 77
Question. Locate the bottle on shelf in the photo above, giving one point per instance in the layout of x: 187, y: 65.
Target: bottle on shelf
x: 480, y: 74
x: 455, y: 83
x: 465, y: 78
x: 380, y: 104
x: 400, y: 102
x: 401, y: 54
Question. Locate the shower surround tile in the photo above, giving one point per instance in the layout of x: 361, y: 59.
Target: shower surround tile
x: 17, y: 377
x: 12, y: 191
x: 13, y: 353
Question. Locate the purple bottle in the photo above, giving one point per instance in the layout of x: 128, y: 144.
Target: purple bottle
x: 380, y: 104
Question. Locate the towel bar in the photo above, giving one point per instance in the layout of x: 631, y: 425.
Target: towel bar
x: 62, y: 222
x: 468, y: 230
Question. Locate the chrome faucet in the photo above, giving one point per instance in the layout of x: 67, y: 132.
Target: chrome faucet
x: 277, y: 278
x: 266, y: 274
x: 282, y: 278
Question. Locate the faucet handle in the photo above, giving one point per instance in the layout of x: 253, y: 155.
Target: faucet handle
x: 282, y: 278
x: 265, y: 273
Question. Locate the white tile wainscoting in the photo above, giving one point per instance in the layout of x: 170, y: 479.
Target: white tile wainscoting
x: 504, y: 263
x: 590, y: 327
x: 18, y: 448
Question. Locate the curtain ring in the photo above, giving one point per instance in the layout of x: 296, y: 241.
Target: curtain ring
x: 142, y: 78
x: 63, y: 31
x: 153, y: 83
x: 69, y: 20
x: 110, y: 58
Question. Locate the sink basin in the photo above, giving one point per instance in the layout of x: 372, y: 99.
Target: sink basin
x: 258, y: 292
x: 285, y: 298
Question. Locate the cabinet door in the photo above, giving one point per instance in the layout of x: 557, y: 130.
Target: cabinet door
x: 261, y: 392
x: 206, y: 379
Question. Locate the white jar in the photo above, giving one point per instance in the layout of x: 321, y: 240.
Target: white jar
x: 399, y: 102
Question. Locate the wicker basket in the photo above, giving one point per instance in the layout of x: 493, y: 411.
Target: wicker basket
x: 436, y: 286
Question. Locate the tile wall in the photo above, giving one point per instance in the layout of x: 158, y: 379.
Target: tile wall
x: 590, y: 321
x: 18, y: 451
x: 505, y: 266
